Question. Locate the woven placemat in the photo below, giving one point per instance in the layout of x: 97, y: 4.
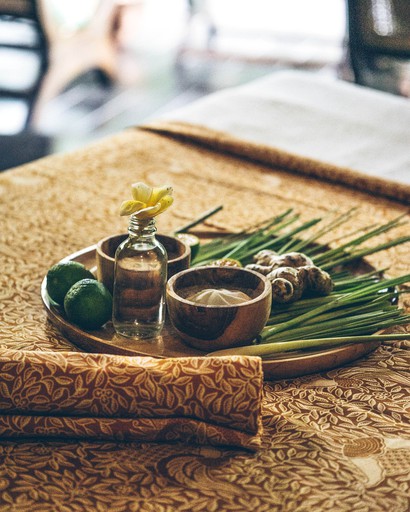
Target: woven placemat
x: 293, y: 163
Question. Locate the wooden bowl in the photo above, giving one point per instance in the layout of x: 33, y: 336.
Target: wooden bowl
x: 209, y: 327
x: 179, y: 256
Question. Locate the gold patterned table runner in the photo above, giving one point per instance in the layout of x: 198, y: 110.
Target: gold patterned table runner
x: 336, y: 441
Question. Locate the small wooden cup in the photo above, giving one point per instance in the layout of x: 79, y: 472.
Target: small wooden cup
x: 209, y: 327
x: 179, y: 256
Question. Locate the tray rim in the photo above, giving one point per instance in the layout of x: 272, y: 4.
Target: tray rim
x: 292, y: 365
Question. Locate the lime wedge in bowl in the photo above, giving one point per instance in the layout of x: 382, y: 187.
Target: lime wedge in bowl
x: 191, y: 240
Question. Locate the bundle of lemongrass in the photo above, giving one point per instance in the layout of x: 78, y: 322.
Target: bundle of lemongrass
x: 361, y: 304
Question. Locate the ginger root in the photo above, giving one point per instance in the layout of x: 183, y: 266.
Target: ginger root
x: 289, y: 275
x: 272, y: 259
x: 282, y: 290
x: 292, y: 275
x: 262, y: 269
x: 316, y: 280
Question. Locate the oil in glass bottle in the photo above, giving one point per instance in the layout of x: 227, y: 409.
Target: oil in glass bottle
x: 139, y: 282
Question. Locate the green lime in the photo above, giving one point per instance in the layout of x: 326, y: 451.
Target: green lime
x: 88, y: 304
x: 226, y: 262
x: 192, y: 241
x: 62, y: 276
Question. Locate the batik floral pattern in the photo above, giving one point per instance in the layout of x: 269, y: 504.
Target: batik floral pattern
x: 208, y: 400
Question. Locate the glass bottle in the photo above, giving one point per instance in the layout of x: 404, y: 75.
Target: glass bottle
x: 139, y: 282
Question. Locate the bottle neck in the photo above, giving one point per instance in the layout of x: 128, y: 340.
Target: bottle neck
x: 144, y: 228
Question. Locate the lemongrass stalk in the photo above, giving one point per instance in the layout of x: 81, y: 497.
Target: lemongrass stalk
x: 276, y: 223
x: 326, y: 253
x: 260, y: 239
x: 319, y: 247
x: 346, y: 287
x: 354, y: 307
x: 272, y: 243
x: 327, y: 228
x: 278, y: 312
x: 246, y: 242
x: 380, y: 285
x: 353, y: 281
x: 279, y: 221
x: 220, y: 248
x: 353, y: 312
x: 364, y: 330
x: 353, y: 247
x: 268, y: 235
x: 364, y: 252
x: 267, y: 332
x: 369, y: 321
x: 347, y: 276
x: 339, y: 324
x: 349, y: 285
x: 341, y: 300
x: 311, y: 303
x: 199, y: 219
x: 269, y: 349
x: 372, y: 328
x: 286, y: 236
x: 351, y: 234
x: 268, y: 223
x: 358, y: 329
x: 378, y: 230
x: 273, y: 234
x: 307, y: 303
x: 212, y: 250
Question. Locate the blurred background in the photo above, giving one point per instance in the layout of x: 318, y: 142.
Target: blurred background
x: 72, y: 72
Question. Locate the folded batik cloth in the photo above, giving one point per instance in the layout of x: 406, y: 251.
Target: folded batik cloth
x: 206, y: 400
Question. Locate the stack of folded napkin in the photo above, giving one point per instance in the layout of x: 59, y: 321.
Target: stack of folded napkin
x: 206, y: 400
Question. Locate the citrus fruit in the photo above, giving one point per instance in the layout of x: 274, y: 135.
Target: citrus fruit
x: 226, y: 262
x: 192, y: 241
x: 88, y: 304
x: 62, y: 276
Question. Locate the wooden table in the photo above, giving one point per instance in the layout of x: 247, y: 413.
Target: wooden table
x: 338, y: 440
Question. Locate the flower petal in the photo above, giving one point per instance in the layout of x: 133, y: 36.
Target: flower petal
x: 148, y: 212
x: 164, y: 203
x: 158, y: 193
x: 141, y: 192
x: 131, y: 206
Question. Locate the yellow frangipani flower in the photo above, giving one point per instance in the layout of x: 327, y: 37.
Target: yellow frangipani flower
x: 147, y: 202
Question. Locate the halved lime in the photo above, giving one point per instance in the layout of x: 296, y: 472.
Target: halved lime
x: 226, y: 262
x: 191, y: 240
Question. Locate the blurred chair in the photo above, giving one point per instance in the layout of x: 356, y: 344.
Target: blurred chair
x: 72, y: 38
x: 378, y: 42
x: 25, y: 12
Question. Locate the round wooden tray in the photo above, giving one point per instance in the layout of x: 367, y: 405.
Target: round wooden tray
x: 105, y: 340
